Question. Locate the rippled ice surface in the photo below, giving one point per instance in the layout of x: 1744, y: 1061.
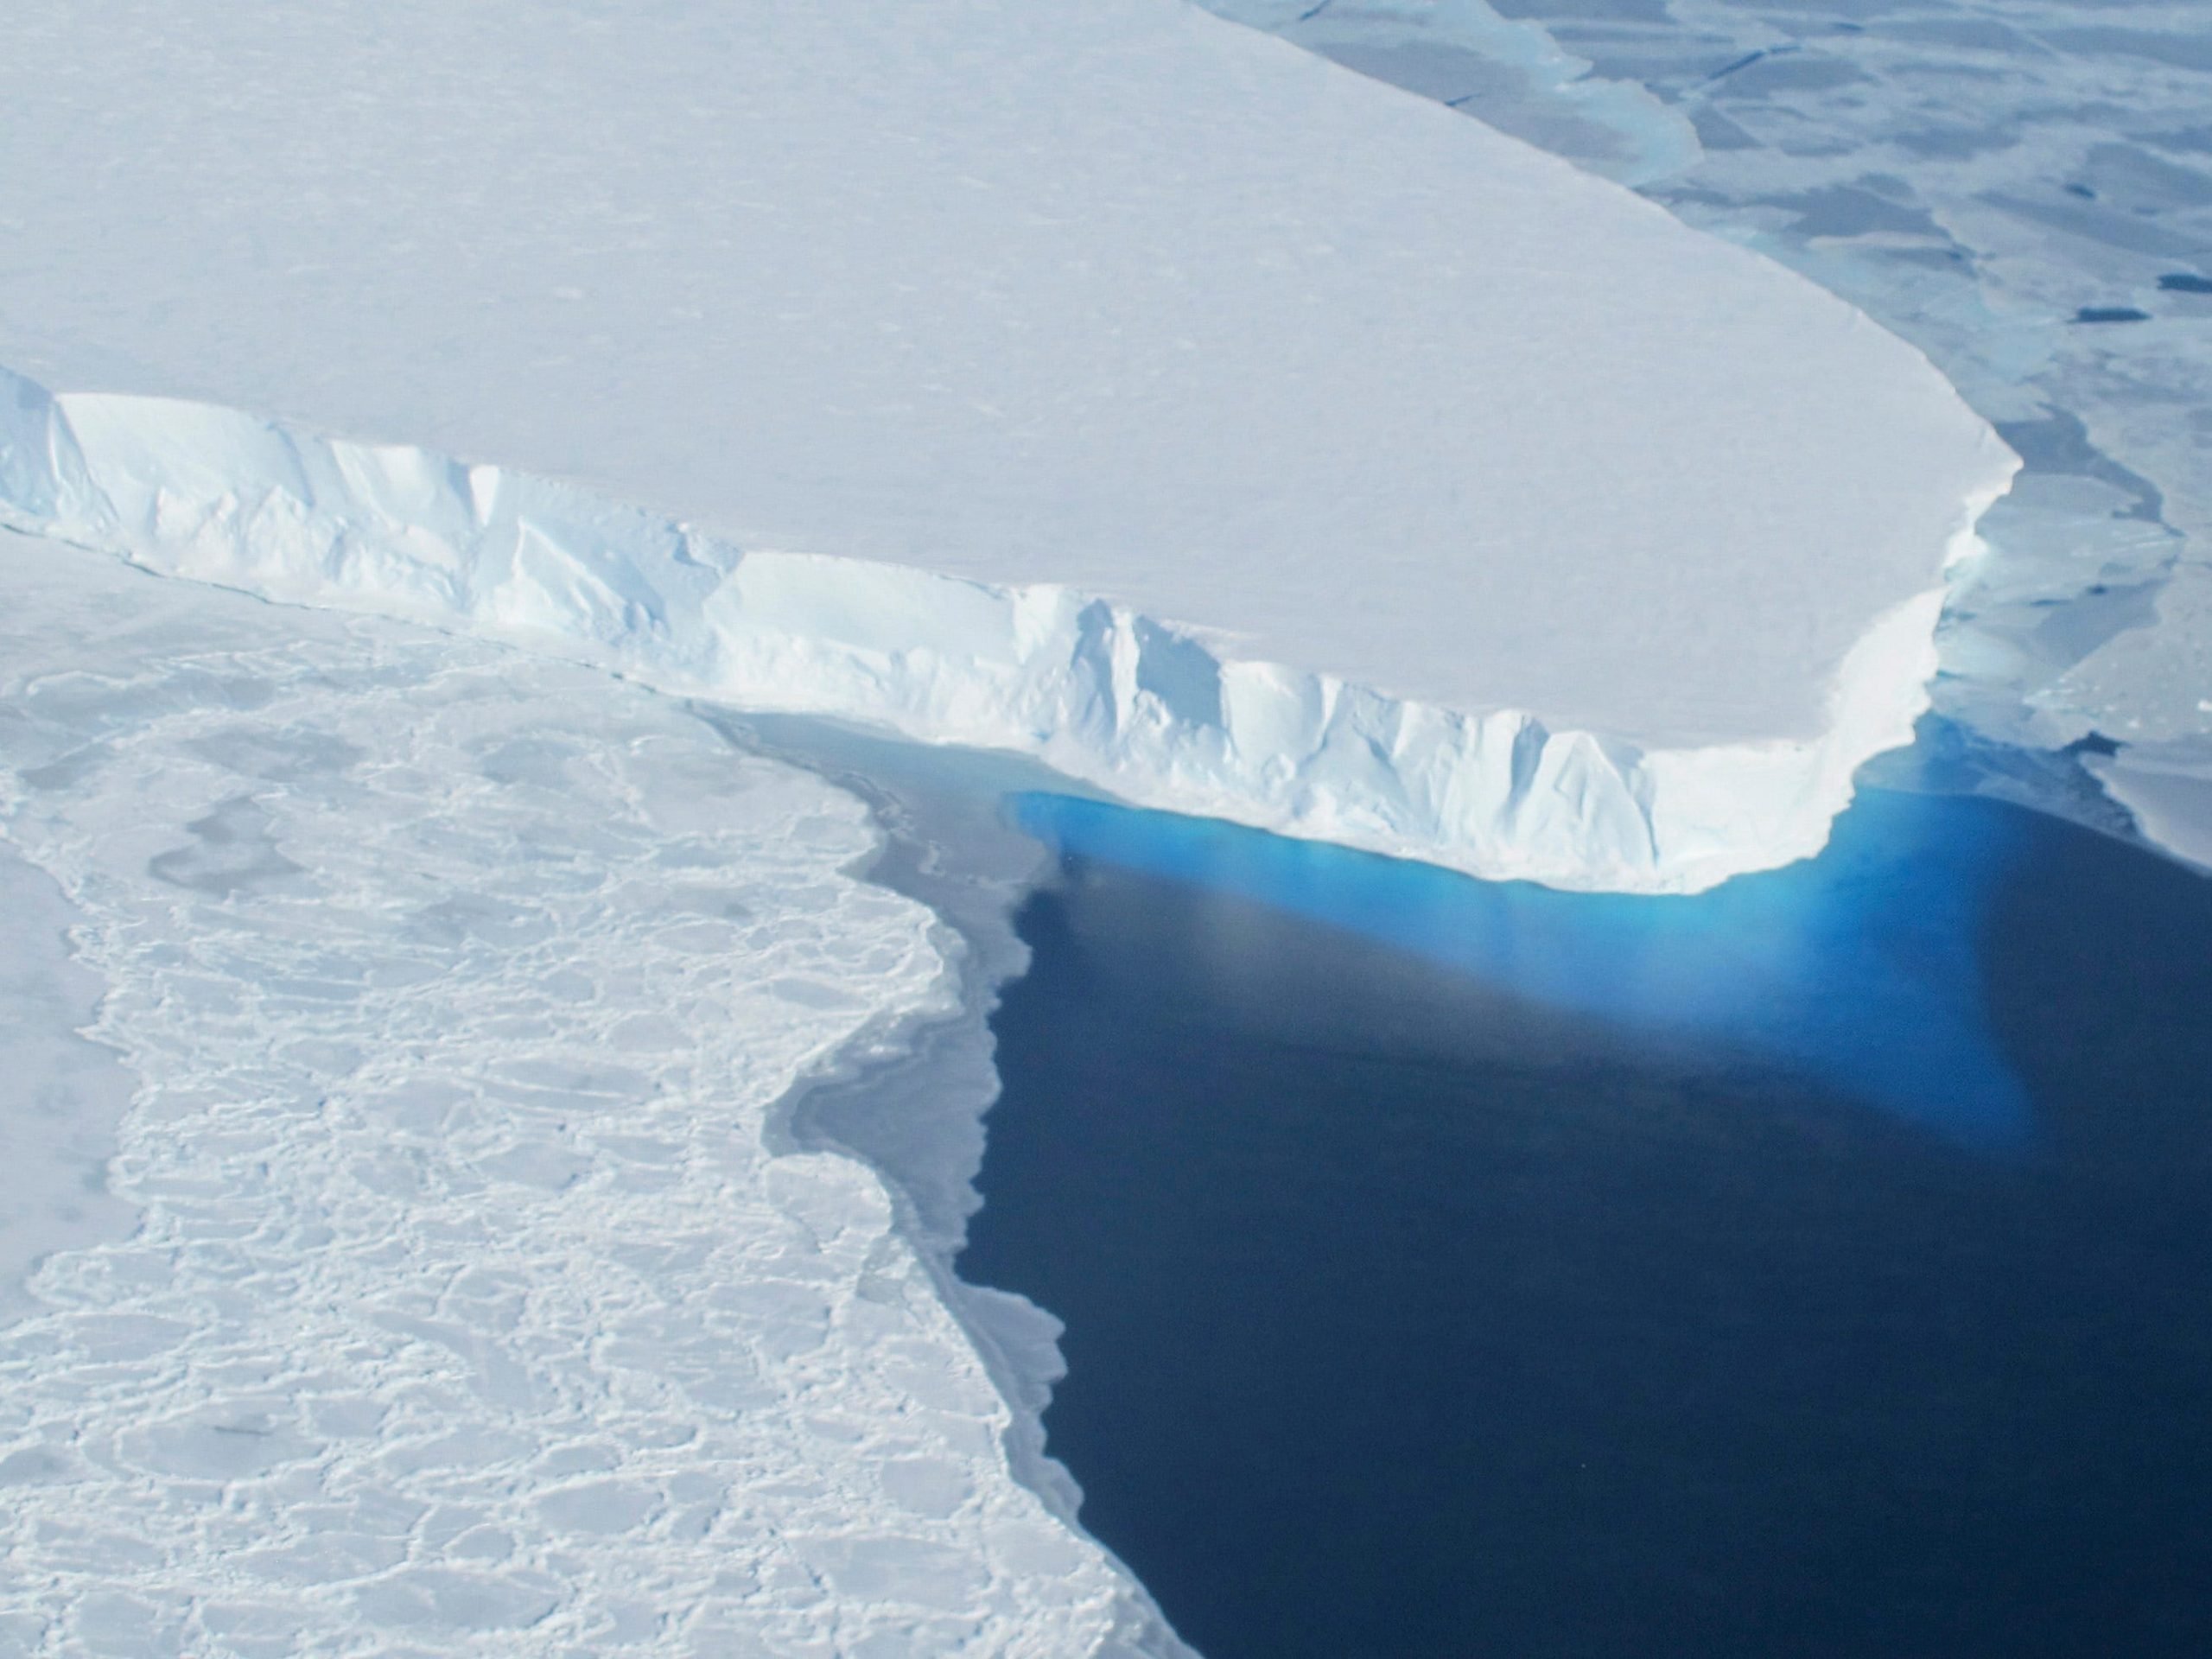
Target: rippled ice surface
x: 2023, y: 189
x: 466, y: 1310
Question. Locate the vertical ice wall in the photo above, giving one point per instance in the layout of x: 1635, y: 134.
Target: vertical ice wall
x: 1272, y: 441
x: 1098, y: 691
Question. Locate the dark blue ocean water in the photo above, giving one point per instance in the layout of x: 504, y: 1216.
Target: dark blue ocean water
x: 1822, y: 1266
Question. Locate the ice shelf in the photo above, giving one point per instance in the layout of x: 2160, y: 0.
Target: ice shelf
x: 1109, y: 382
x: 2025, y: 196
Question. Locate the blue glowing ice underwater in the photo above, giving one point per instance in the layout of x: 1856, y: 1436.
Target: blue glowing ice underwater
x: 1859, y: 966
x: 1815, y: 1265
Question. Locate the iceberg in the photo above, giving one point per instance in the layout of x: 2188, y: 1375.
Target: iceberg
x: 1110, y: 383
x: 1106, y: 384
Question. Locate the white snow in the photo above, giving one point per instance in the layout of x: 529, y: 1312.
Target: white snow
x: 1442, y: 500
x: 1978, y: 178
x: 64, y: 1096
x: 469, y: 1312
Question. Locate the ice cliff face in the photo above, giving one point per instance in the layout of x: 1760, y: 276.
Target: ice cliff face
x: 1155, y: 713
x: 2025, y: 198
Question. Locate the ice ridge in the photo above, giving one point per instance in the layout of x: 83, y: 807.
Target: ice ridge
x: 1160, y: 715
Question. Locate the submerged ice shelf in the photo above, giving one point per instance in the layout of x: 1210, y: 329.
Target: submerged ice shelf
x: 1107, y: 382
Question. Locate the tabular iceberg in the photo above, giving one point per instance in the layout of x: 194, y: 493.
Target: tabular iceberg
x: 1107, y: 382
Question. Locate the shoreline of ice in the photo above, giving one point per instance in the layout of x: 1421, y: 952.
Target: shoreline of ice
x: 1101, y: 693
x: 913, y: 1107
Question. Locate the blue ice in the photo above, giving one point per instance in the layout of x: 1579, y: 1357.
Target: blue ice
x: 1860, y: 969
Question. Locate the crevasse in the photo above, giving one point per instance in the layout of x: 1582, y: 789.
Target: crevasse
x: 1134, y: 705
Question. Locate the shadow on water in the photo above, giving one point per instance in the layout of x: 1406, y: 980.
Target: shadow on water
x: 1860, y: 967
x: 1815, y: 1267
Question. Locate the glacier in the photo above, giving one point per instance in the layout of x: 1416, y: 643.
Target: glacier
x: 1110, y: 382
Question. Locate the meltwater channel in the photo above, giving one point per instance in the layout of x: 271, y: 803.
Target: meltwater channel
x: 1818, y: 1266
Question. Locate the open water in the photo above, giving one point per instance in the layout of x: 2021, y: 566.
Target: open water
x: 1821, y: 1265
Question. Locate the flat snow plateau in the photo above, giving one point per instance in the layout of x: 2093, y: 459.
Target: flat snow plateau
x: 467, y: 1313
x: 1282, y: 446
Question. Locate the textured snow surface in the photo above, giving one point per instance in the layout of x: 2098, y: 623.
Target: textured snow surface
x: 469, y: 1314
x: 64, y: 1094
x: 1113, y: 297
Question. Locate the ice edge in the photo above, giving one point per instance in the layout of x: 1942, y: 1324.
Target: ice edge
x: 1127, y: 703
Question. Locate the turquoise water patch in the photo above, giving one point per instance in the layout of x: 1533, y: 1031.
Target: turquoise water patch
x: 1453, y: 1269
x: 1860, y: 967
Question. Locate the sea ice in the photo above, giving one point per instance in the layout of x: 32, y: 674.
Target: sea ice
x: 64, y: 1093
x: 467, y: 1310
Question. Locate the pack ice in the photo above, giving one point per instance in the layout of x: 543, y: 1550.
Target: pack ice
x: 467, y: 1310
x: 1106, y: 382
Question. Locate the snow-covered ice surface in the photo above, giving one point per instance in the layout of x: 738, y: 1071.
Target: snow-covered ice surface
x: 2023, y: 189
x: 1284, y: 446
x: 467, y: 1310
x: 65, y: 1094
